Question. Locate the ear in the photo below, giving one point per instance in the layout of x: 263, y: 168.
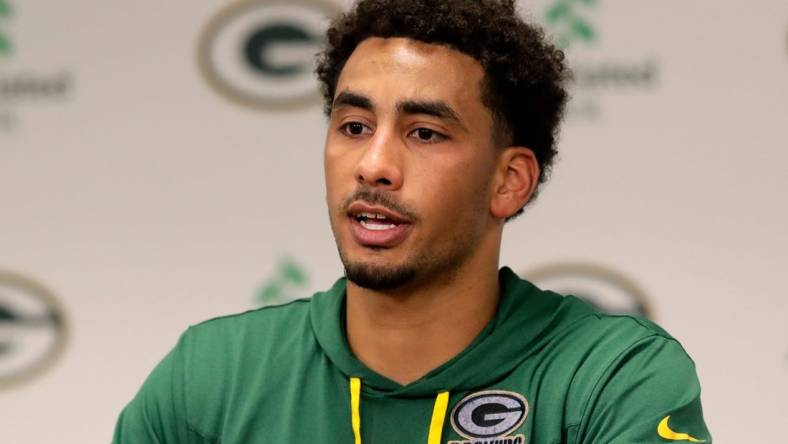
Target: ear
x: 516, y: 178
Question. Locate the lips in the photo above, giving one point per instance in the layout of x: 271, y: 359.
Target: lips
x: 376, y: 226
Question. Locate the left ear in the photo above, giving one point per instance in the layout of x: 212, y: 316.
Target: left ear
x: 516, y: 178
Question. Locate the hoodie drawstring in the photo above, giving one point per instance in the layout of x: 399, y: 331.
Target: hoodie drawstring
x: 436, y: 423
x: 355, y: 407
x: 438, y: 418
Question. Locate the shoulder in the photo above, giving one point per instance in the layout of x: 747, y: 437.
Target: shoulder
x: 258, y: 320
x: 570, y: 322
x: 627, y: 367
x: 230, y: 338
x: 591, y: 348
x: 641, y: 347
x: 578, y: 335
x: 579, y: 323
x: 230, y: 357
x: 193, y: 386
x: 603, y: 343
x: 642, y: 376
x: 617, y: 343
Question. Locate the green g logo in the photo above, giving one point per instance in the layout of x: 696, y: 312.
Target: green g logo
x: 262, y: 43
x: 262, y: 53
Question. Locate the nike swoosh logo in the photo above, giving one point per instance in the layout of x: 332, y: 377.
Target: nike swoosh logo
x: 664, y: 431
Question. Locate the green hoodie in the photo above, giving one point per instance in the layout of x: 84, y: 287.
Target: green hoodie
x: 547, y: 369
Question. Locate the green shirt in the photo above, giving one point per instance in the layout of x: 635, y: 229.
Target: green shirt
x: 547, y: 369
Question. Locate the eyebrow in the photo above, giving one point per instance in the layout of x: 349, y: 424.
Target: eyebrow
x: 436, y: 108
x: 348, y: 98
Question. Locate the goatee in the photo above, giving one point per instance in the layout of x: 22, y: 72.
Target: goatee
x: 378, y: 278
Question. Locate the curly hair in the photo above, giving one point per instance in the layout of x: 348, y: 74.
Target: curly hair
x: 524, y: 73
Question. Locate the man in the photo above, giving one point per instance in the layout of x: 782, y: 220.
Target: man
x: 442, y: 123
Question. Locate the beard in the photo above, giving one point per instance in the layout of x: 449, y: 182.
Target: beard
x: 376, y: 277
x: 422, y: 266
x: 427, y: 267
x: 442, y: 260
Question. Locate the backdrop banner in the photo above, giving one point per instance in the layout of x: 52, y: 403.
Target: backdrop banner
x: 161, y: 164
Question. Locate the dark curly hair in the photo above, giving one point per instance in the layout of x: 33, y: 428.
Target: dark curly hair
x: 524, y: 74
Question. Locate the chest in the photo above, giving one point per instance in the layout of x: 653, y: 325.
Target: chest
x: 531, y: 404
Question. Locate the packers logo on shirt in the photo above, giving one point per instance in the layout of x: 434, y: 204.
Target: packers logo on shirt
x: 489, y: 417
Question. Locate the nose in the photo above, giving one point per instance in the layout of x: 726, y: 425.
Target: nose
x: 381, y: 162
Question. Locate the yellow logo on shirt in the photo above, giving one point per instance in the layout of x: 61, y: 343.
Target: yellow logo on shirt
x: 664, y: 431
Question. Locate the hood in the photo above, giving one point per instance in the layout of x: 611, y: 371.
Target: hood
x: 521, y: 325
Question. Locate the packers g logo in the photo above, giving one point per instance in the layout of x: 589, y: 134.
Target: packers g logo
x: 490, y: 414
x: 261, y: 53
x: 605, y: 288
x: 32, y: 329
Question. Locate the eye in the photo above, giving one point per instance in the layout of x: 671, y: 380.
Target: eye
x: 426, y: 135
x: 354, y: 128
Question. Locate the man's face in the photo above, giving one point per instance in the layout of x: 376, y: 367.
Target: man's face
x: 409, y: 162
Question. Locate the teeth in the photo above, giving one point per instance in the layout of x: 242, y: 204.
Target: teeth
x: 372, y: 216
x: 376, y: 227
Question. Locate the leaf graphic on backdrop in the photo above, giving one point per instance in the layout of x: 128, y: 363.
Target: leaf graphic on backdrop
x: 289, y: 279
x: 568, y: 23
x: 5, y: 42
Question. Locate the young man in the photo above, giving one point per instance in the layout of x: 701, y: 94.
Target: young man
x: 442, y: 122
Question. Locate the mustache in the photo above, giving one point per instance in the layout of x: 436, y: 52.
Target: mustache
x: 380, y: 198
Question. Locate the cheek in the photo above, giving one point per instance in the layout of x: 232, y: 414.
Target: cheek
x: 472, y: 175
x: 477, y: 188
x: 337, y: 169
x: 458, y: 191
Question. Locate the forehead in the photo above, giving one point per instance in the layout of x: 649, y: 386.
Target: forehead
x: 388, y: 70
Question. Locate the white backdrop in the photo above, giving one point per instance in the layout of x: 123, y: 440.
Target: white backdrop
x: 145, y: 200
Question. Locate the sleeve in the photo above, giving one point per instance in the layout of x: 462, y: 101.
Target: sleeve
x: 649, y: 394
x: 157, y: 414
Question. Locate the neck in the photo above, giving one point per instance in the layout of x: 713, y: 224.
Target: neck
x: 405, y: 334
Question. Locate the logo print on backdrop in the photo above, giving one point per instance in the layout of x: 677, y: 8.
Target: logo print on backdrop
x: 24, y: 83
x: 262, y: 53
x: 594, y: 74
x: 32, y: 329
x: 602, y: 287
x: 568, y: 23
x: 7, y: 119
x: 288, y: 281
x: 490, y: 414
x: 5, y: 41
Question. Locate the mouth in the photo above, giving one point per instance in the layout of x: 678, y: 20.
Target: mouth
x: 375, y: 222
x: 378, y: 227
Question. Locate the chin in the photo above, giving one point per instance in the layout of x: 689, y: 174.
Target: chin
x: 378, y: 277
